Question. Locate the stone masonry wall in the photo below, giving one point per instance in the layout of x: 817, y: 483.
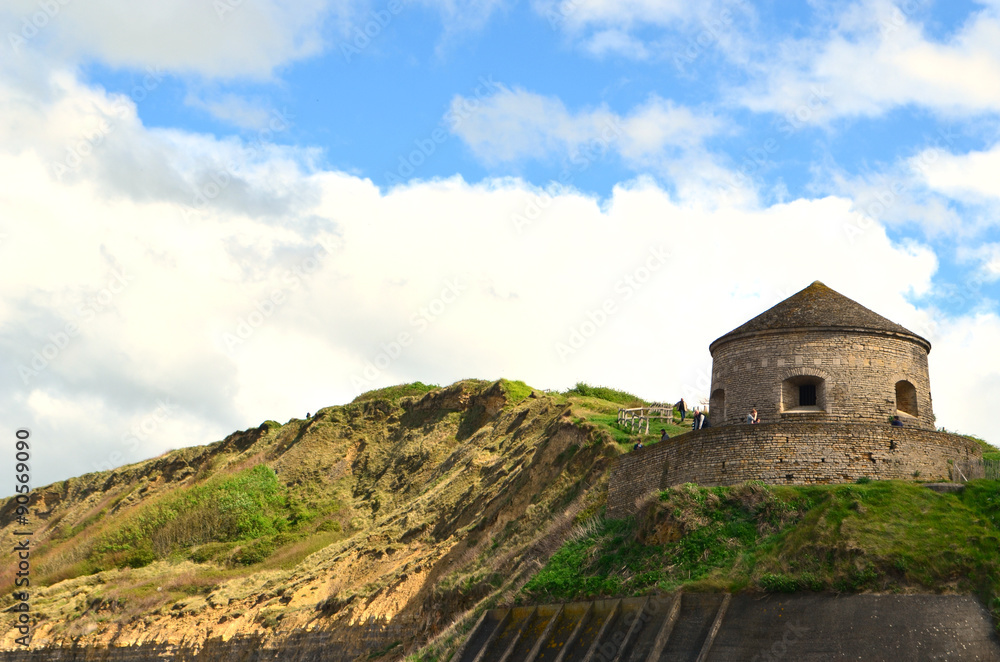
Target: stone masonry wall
x: 790, y: 454
x: 859, y: 369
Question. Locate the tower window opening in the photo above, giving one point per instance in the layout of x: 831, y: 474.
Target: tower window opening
x: 807, y: 395
x: 906, y: 398
x: 803, y: 393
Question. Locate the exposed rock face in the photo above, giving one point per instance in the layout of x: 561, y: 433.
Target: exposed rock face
x: 400, y: 515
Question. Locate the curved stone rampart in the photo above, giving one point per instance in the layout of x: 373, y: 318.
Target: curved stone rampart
x: 791, y: 453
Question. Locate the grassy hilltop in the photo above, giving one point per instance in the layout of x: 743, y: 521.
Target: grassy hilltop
x: 421, y: 506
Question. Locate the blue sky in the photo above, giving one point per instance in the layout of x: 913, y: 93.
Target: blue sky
x: 250, y: 210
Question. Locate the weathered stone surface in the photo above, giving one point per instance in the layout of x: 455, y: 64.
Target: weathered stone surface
x: 790, y: 453
x: 864, y: 368
x: 855, y: 356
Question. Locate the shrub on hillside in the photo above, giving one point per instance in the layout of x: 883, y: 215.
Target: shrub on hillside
x: 605, y: 393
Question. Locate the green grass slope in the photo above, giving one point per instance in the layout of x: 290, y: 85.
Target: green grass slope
x: 881, y: 536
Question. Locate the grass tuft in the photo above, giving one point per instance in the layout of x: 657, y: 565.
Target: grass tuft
x: 609, y: 394
x: 396, y: 392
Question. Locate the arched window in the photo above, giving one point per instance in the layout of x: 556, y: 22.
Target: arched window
x: 803, y: 393
x: 717, y: 407
x: 906, y: 398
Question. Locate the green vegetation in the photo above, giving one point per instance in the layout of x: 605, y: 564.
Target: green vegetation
x: 599, y: 407
x: 990, y: 451
x: 609, y: 394
x: 516, y: 391
x: 236, y: 519
x: 882, y: 535
x: 387, y: 483
x: 242, y: 507
x: 396, y: 392
x: 621, y: 435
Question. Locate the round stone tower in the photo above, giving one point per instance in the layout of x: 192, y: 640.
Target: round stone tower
x: 825, y: 375
x: 819, y: 356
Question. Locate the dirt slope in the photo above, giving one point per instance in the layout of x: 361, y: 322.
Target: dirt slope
x: 381, y: 521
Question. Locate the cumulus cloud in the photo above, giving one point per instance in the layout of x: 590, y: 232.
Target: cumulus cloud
x: 988, y: 258
x: 876, y: 56
x: 959, y: 387
x: 135, y: 324
x: 233, y: 109
x: 645, y: 29
x: 970, y: 177
x: 513, y: 125
x: 464, y: 15
x: 213, y: 39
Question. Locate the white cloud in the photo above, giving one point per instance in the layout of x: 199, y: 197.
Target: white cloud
x: 464, y: 15
x: 617, y: 42
x: 876, y: 58
x: 233, y: 109
x: 231, y: 318
x: 970, y: 177
x: 645, y: 29
x: 624, y: 14
x: 988, y: 257
x: 511, y: 125
x: 214, y: 39
x: 958, y: 385
x: 515, y: 125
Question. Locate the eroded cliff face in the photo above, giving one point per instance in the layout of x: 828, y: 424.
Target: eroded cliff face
x: 386, y: 519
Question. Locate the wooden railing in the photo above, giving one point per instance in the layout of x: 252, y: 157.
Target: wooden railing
x: 992, y: 469
x: 637, y: 417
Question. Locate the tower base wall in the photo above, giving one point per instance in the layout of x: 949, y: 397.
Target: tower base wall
x: 790, y: 453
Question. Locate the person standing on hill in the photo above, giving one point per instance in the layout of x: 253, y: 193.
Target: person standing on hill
x: 697, y: 419
x: 682, y: 408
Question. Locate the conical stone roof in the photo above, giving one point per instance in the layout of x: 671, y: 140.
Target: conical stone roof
x: 818, y: 307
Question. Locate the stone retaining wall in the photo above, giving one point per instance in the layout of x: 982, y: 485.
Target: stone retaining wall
x: 790, y: 453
